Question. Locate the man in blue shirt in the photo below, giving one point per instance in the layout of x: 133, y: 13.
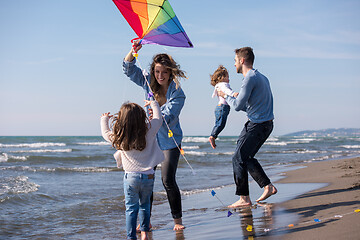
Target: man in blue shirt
x: 255, y: 98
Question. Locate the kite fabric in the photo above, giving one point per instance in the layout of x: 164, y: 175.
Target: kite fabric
x: 154, y: 22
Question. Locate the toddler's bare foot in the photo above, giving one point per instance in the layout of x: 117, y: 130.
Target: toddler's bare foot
x: 244, y: 201
x: 178, y: 225
x: 268, y: 191
x: 212, y: 142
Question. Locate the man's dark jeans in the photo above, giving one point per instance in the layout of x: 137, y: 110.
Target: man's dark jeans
x: 250, y: 140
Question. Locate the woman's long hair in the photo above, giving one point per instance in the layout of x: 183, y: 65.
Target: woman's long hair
x: 130, y: 128
x: 174, y: 68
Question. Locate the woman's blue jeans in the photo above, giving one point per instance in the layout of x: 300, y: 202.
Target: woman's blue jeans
x: 221, y: 113
x: 252, y: 137
x: 137, y: 189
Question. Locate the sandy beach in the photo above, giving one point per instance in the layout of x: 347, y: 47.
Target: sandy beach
x: 327, y: 191
x: 333, y: 205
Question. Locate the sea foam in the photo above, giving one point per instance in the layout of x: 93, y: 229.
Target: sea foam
x: 44, y: 151
x: 191, y: 147
x: 350, y: 146
x: 195, y: 139
x: 59, y: 169
x: 32, y: 145
x: 94, y: 143
x: 16, y: 185
x: 6, y: 157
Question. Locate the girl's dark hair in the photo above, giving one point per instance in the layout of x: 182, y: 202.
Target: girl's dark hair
x: 130, y: 128
x: 220, y: 73
x: 174, y: 68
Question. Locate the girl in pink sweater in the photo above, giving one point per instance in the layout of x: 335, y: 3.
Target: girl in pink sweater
x: 134, y: 137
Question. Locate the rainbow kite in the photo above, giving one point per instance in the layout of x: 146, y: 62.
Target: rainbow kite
x: 154, y: 22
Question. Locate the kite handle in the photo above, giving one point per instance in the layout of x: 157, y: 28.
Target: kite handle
x: 132, y: 40
x: 135, y: 54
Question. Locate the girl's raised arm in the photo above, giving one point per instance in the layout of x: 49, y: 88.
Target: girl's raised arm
x: 104, y: 123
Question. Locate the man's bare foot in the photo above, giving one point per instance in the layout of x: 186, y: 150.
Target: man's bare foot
x: 212, y: 142
x: 244, y: 201
x: 138, y: 228
x: 144, y: 236
x: 178, y: 225
x: 268, y: 191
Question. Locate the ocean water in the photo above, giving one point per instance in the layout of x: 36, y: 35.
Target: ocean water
x: 70, y: 188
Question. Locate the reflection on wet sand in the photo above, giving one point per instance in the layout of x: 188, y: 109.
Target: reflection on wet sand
x: 205, y: 218
x: 262, y: 223
x: 180, y: 235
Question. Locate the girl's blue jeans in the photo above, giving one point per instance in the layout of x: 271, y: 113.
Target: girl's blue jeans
x: 221, y: 113
x: 137, y: 190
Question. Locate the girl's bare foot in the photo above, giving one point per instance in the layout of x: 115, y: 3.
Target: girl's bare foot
x: 178, y: 225
x: 244, y: 201
x: 212, y: 142
x: 144, y: 235
x: 268, y: 191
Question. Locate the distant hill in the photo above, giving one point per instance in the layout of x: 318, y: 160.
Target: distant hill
x: 330, y: 132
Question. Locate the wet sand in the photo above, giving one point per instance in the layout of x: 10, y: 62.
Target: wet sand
x: 333, y: 205
x: 328, y: 191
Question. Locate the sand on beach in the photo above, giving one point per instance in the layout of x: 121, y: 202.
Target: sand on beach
x: 333, y: 204
x: 319, y: 190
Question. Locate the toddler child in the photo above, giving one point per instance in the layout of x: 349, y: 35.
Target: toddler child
x: 220, y: 80
x: 134, y: 137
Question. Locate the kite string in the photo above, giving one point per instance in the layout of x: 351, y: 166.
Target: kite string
x: 180, y: 149
x: 213, y: 193
x: 170, y: 132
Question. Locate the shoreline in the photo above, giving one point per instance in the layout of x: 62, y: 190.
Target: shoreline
x: 317, y: 190
x: 332, y: 205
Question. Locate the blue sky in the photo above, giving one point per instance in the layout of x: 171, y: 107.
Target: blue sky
x: 60, y: 62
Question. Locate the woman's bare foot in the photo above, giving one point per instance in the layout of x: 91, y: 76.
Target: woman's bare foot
x: 268, y: 191
x: 212, y: 142
x: 144, y: 235
x: 138, y: 228
x: 244, y: 201
x: 178, y: 224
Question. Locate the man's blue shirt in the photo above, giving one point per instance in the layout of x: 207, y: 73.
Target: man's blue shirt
x: 255, y: 97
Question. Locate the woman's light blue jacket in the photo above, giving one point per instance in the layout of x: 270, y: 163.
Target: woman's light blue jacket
x: 175, y: 99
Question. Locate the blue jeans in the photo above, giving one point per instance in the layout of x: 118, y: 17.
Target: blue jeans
x: 137, y: 190
x: 250, y: 140
x: 221, y: 113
